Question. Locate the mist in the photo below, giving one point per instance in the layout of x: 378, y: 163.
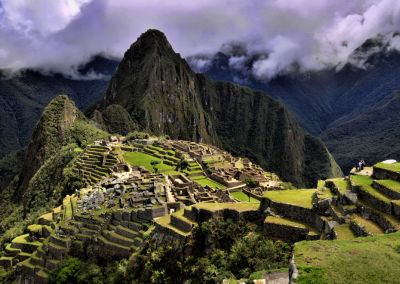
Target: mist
x: 311, y: 35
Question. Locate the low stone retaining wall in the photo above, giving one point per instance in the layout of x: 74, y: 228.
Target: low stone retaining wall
x: 392, y: 194
x: 379, y: 204
x: 284, y: 232
x: 379, y: 173
x: 57, y: 252
x: 60, y: 242
x: 180, y: 224
x: 358, y: 229
x: 127, y: 233
x: 113, y: 237
x: 301, y: 214
x: 396, y: 209
x: 190, y: 214
x: 255, y: 196
x: 203, y: 215
x: 25, y: 247
x: 376, y: 217
x: 108, y: 250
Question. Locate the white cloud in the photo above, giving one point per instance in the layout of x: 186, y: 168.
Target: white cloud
x: 58, y: 35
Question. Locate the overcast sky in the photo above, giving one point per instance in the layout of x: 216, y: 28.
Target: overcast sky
x: 59, y: 34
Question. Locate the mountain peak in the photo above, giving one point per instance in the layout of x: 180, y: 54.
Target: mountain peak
x: 150, y: 41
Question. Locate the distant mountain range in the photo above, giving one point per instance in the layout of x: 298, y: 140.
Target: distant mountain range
x: 24, y: 96
x: 353, y: 110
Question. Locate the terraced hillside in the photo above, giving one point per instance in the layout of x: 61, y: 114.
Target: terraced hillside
x: 365, y: 206
x: 156, y: 191
x: 95, y: 162
x: 129, y: 188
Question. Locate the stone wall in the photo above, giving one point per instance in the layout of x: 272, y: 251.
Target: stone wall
x: 376, y: 217
x: 180, y: 224
x: 379, y: 204
x: 379, y: 173
x: 190, y: 214
x: 284, y: 232
x: 359, y: 230
x: 301, y: 214
x: 384, y: 190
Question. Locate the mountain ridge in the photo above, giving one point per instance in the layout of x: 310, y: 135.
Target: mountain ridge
x: 165, y: 97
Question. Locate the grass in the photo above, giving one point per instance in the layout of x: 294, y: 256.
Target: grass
x: 241, y: 196
x: 341, y: 184
x: 284, y: 221
x: 391, y: 184
x: 240, y: 207
x: 366, y: 260
x: 78, y: 150
x: 23, y: 239
x: 298, y: 197
x: 395, y: 167
x: 165, y: 221
x: 366, y: 183
x: 144, y: 160
x: 35, y: 228
x: 179, y: 214
x: 204, y: 181
x: 324, y: 193
x: 343, y: 232
x: 369, y: 226
x: 260, y: 274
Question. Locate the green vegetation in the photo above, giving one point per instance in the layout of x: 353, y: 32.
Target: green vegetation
x: 145, y: 160
x: 137, y: 135
x: 223, y: 249
x: 298, y: 197
x: 241, y: 196
x: 391, y: 184
x: 341, y: 184
x: 205, y: 181
x: 344, y: 232
x: 240, y: 207
x: 395, y: 167
x: 366, y: 260
x: 366, y: 184
x: 250, y: 182
x: 284, y: 221
x: 74, y: 270
x: 118, y: 120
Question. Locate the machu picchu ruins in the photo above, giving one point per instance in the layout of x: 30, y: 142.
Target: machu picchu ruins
x: 160, y: 191
x: 264, y: 149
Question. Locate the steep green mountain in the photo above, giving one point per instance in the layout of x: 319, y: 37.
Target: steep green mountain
x: 37, y: 180
x: 23, y: 97
x: 336, y: 105
x: 164, y: 96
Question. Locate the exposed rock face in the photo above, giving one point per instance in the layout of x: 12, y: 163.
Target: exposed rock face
x: 159, y: 91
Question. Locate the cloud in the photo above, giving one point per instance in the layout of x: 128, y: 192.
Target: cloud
x: 310, y: 35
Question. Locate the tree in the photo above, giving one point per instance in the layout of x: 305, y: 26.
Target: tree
x: 154, y: 164
x: 252, y: 183
x: 182, y: 165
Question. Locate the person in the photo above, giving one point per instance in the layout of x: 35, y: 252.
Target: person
x: 357, y: 166
x: 362, y: 164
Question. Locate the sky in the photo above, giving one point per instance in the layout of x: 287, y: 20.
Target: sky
x: 58, y: 35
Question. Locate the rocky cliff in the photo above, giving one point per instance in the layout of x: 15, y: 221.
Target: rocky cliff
x: 164, y: 96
